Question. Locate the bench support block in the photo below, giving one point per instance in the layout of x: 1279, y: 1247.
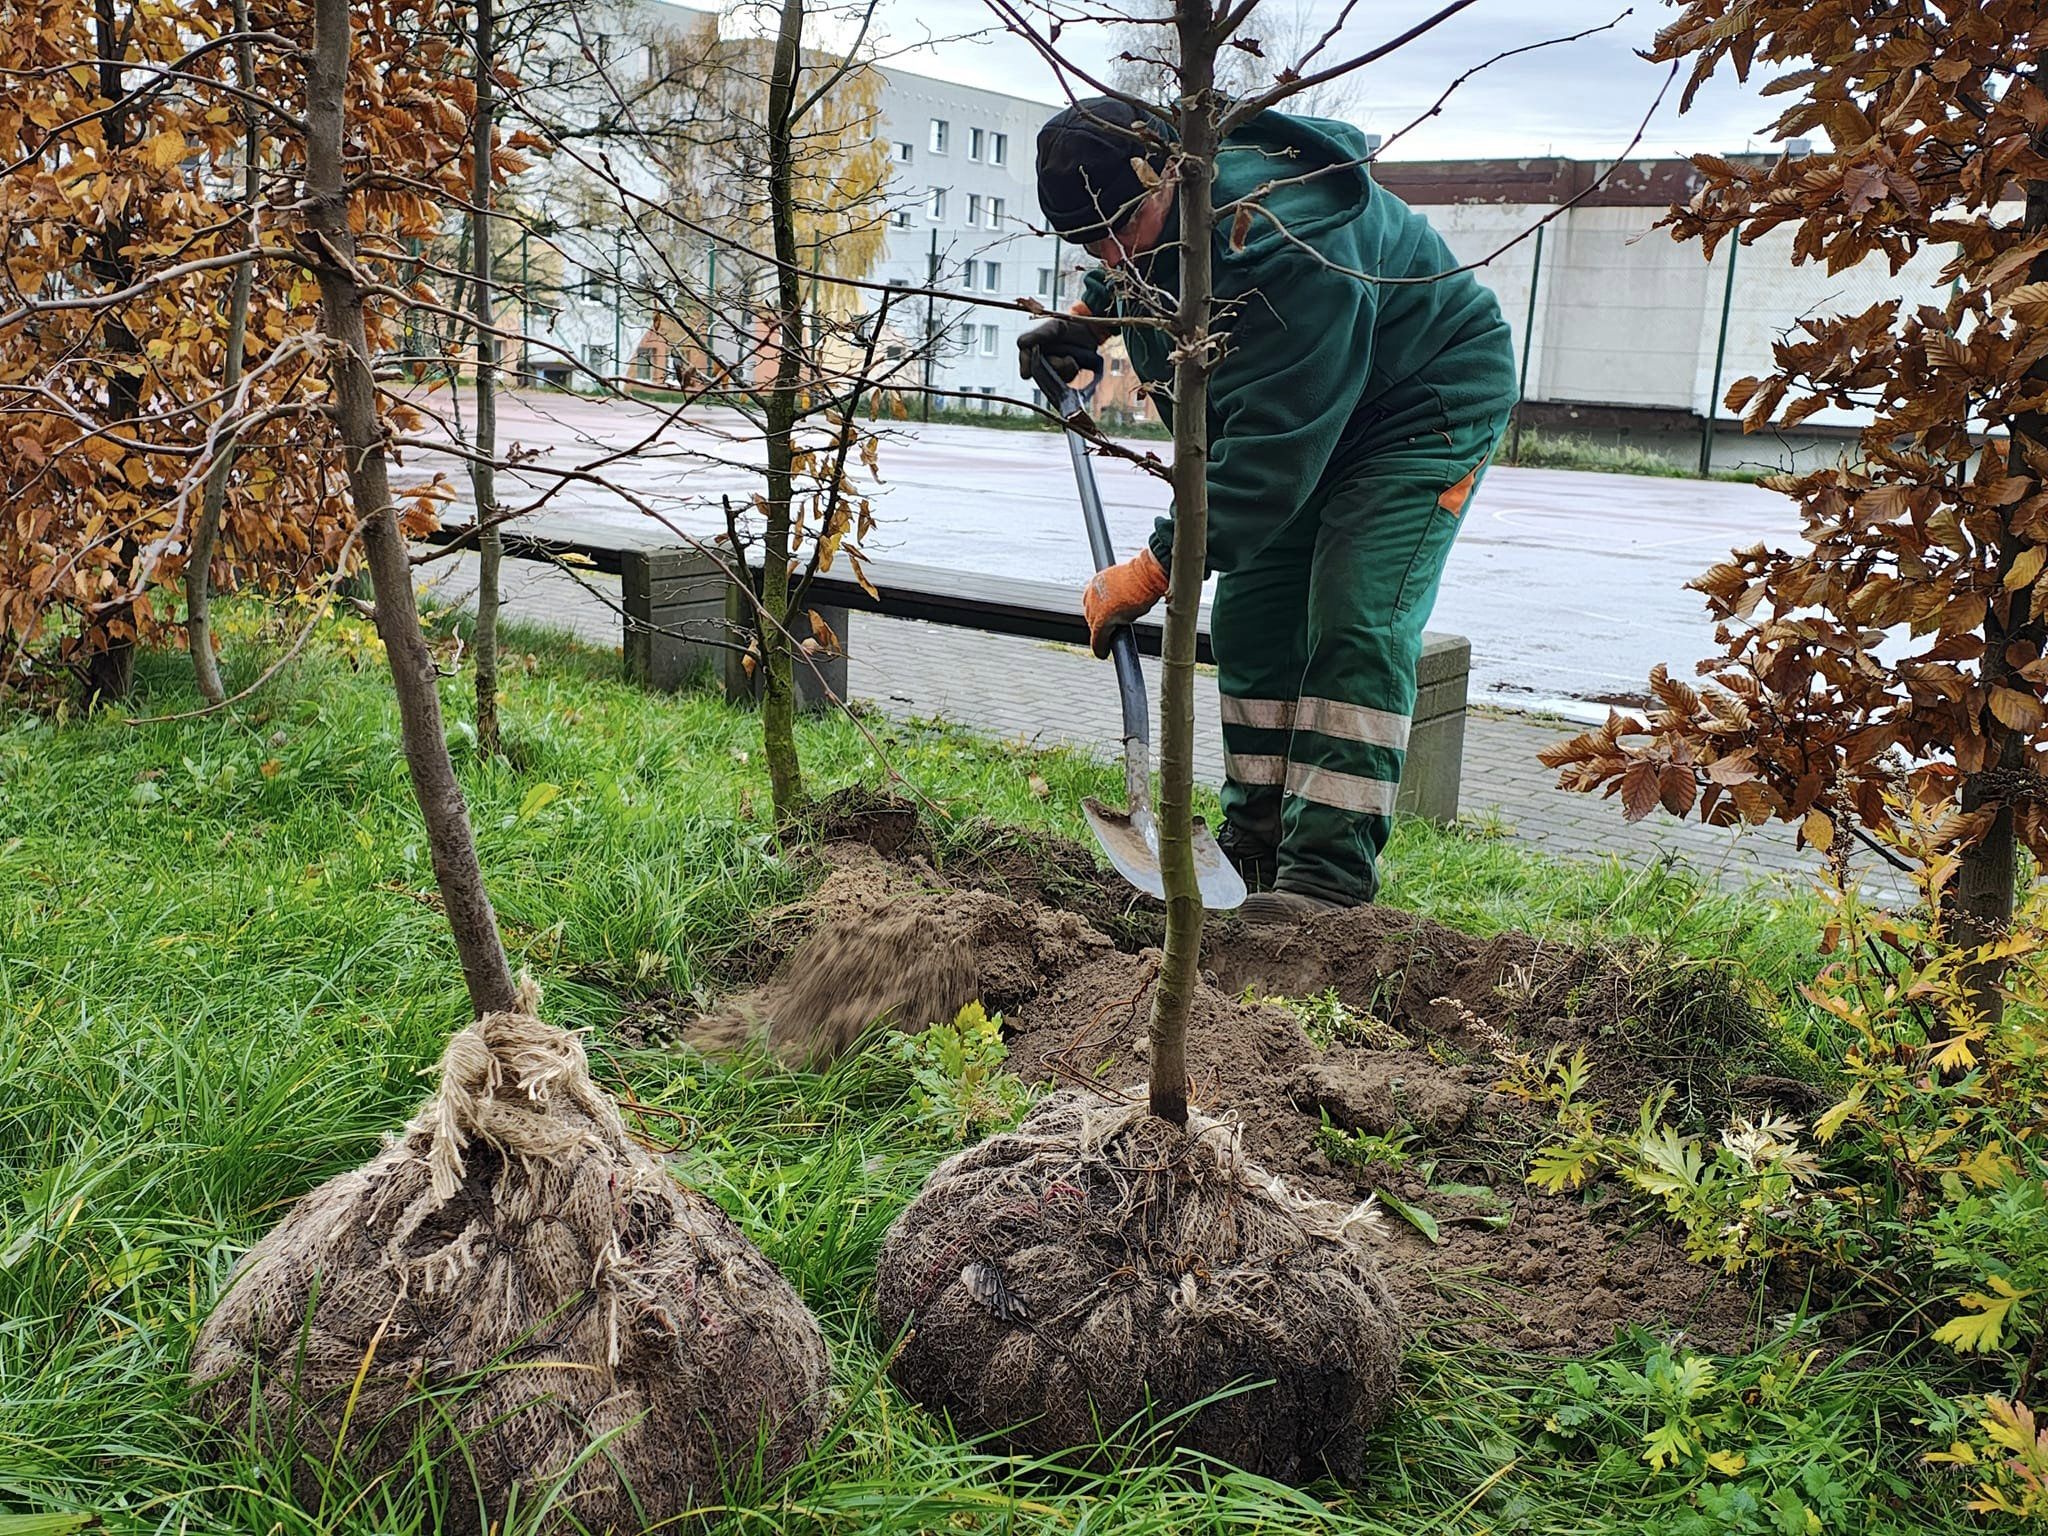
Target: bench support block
x: 687, y: 620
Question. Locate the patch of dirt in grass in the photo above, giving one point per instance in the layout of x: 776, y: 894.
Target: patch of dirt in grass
x: 1510, y: 1266
x: 1413, y: 1113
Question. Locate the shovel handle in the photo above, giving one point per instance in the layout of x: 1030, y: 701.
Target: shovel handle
x: 1123, y: 646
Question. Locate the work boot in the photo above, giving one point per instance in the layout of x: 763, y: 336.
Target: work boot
x: 1269, y: 909
x: 1254, y: 858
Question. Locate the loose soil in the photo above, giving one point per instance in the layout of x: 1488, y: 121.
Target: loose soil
x: 904, y: 929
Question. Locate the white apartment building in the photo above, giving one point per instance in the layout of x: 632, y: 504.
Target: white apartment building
x: 963, y: 215
x: 962, y: 209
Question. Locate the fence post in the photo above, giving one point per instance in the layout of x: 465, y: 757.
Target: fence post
x: 1720, y: 356
x: 1528, y: 346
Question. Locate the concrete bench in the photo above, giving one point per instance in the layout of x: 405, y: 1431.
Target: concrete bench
x: 687, y: 620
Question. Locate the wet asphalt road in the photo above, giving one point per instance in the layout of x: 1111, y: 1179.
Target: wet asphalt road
x: 1571, y: 586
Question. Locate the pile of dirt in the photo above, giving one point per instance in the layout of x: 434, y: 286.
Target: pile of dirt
x: 986, y: 855
x: 1436, y: 1012
x: 894, y: 944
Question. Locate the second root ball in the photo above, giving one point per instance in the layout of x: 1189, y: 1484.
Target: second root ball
x: 1098, y: 1270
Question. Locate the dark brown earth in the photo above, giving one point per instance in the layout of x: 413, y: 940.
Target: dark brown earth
x: 1036, y: 932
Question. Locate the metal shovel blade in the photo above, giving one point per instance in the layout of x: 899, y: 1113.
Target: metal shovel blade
x: 1130, y: 840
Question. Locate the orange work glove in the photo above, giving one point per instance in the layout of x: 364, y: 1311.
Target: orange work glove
x: 1120, y: 594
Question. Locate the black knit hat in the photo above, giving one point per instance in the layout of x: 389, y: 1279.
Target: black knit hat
x: 1086, y: 182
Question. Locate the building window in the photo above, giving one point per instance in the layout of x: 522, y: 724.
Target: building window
x: 935, y: 204
x: 900, y: 218
x: 995, y: 213
x: 988, y: 341
x: 973, y: 209
x: 974, y: 143
x: 1045, y: 282
x: 998, y: 149
x: 643, y: 363
x: 991, y: 275
x: 939, y: 134
x: 902, y: 153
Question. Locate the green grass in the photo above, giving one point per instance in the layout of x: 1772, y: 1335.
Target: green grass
x: 221, y: 977
x: 1548, y: 450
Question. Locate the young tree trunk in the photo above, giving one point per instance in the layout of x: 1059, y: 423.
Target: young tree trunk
x: 213, y: 497
x: 1979, y: 904
x: 778, y: 694
x: 110, y: 670
x: 483, y: 475
x: 1196, y: 124
x: 330, y: 252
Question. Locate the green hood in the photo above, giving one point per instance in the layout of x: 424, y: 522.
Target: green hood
x: 1312, y: 174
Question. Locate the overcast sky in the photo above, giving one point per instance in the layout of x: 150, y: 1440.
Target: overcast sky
x: 1583, y: 99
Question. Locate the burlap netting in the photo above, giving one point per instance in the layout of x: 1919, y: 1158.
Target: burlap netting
x: 1098, y: 1266
x: 517, y: 1263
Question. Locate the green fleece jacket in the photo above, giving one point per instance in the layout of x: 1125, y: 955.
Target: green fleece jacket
x: 1323, y: 368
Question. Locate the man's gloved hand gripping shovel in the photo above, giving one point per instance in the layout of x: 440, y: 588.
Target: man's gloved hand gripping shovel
x: 1131, y: 837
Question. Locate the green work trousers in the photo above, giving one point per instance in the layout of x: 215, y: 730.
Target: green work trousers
x: 1317, y: 639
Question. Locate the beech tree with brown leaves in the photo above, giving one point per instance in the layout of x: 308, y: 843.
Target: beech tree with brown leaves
x: 1893, y: 661
x: 161, y: 391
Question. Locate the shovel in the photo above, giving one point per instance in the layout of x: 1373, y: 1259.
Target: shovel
x: 1130, y: 837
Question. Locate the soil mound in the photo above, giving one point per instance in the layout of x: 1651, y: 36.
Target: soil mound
x: 1402, y: 1102
x: 1506, y: 1264
x: 1643, y: 1019
x: 510, y: 1284
x: 1097, y: 1271
x: 1023, y: 865
x: 893, y: 946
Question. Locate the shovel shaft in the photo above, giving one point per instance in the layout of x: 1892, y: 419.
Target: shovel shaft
x: 1130, y: 680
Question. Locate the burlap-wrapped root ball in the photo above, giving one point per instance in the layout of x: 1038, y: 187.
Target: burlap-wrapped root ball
x: 517, y: 1275
x: 1099, y: 1266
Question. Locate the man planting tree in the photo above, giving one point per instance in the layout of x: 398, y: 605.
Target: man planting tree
x: 1362, y: 387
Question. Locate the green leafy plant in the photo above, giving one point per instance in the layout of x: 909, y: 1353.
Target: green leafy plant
x: 1328, y: 1020
x: 961, y: 1087
x: 2008, y: 1451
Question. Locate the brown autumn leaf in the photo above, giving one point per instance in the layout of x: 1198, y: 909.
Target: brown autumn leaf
x: 2017, y: 711
x: 821, y: 633
x: 1642, y: 790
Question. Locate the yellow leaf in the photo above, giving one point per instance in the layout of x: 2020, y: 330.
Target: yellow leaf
x: 1988, y: 1167
x: 1727, y: 1463
x: 1955, y: 1055
x: 1958, y: 1454
x: 1829, y: 1125
x: 2026, y: 568
x: 1818, y: 830
x: 164, y: 150
x: 1981, y: 1330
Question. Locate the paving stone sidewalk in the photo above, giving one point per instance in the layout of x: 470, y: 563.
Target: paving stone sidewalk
x: 1039, y: 694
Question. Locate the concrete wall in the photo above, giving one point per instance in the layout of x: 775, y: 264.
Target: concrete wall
x: 1627, y: 317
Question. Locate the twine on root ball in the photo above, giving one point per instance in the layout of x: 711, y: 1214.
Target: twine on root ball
x: 517, y: 1291
x: 1098, y: 1270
